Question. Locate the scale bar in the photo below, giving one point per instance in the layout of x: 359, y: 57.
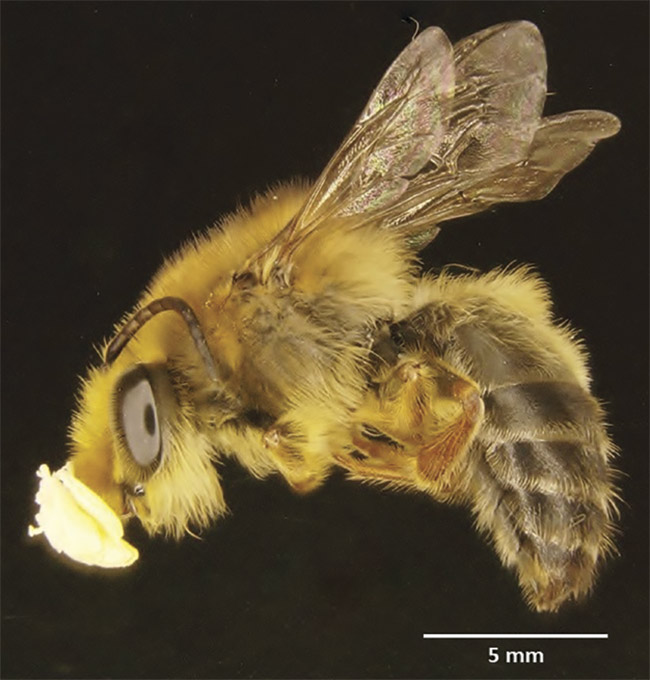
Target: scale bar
x: 515, y: 636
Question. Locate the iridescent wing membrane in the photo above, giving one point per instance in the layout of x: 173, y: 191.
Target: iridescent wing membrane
x: 450, y: 131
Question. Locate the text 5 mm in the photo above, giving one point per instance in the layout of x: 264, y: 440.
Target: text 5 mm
x: 514, y: 656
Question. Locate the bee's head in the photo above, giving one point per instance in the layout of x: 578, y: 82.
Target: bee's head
x: 141, y: 434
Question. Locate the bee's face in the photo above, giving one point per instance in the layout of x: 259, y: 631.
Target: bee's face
x: 137, y: 434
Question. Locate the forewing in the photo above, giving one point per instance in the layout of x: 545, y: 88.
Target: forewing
x: 449, y: 132
x: 401, y: 127
x: 501, y: 75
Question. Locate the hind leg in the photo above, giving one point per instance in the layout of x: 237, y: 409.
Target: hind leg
x: 483, y: 399
x: 538, y: 476
x: 415, y: 425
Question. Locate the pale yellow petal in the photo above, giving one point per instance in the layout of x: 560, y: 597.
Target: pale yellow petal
x: 77, y: 523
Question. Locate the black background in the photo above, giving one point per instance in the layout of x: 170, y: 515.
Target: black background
x: 126, y: 127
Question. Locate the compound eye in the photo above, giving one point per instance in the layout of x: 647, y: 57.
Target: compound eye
x: 138, y: 418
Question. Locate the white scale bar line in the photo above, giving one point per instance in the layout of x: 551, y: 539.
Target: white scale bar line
x: 515, y: 636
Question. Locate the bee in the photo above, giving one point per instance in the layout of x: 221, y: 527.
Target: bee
x: 299, y: 335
